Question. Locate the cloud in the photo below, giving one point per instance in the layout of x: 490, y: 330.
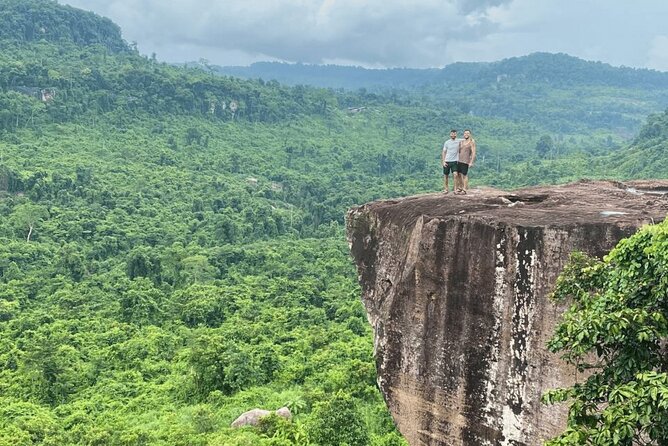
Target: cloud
x: 386, y: 33
x: 469, y: 6
x: 371, y: 32
x: 658, y: 53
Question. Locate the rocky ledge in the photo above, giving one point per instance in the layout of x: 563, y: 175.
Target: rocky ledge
x: 456, y: 289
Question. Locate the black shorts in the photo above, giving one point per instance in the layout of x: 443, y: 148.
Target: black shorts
x: 463, y: 168
x: 451, y: 167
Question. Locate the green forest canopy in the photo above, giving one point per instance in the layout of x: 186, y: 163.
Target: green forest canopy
x: 169, y: 260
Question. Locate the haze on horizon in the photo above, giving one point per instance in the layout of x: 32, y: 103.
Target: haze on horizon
x: 390, y: 33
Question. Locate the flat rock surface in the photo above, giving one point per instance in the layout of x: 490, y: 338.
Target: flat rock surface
x: 585, y: 201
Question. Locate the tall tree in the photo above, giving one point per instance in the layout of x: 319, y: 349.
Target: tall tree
x: 26, y: 216
x: 545, y: 145
x: 617, y: 332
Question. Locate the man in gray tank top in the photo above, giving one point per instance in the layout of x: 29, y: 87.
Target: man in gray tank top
x: 467, y: 154
x: 449, y: 158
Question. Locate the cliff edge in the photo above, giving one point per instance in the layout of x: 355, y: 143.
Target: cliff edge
x: 456, y: 289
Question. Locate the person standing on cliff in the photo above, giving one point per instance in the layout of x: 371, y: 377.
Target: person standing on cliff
x: 449, y: 158
x: 467, y: 152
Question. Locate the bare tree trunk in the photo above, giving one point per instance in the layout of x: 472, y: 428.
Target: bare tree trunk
x: 29, y: 234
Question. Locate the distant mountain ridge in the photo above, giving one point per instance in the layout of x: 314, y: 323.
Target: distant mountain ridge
x: 557, y: 69
x: 557, y: 92
x: 333, y: 76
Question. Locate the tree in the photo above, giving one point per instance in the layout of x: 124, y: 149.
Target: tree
x: 142, y: 262
x: 616, y: 330
x: 18, y: 109
x: 338, y: 421
x: 141, y: 302
x: 197, y: 269
x: 28, y: 215
x: 545, y: 145
x: 25, y: 423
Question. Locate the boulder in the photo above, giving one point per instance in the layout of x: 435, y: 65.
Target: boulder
x: 252, y: 417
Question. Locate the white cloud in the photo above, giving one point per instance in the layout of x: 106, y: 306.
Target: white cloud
x: 369, y: 32
x: 524, y: 14
x: 658, y: 53
x: 416, y: 33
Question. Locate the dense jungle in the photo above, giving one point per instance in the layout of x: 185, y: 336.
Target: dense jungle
x: 172, y: 247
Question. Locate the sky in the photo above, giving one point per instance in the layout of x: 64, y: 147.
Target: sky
x: 391, y: 33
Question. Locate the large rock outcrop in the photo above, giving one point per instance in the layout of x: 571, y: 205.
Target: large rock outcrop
x: 456, y: 289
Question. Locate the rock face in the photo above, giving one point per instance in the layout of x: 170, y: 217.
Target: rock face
x: 456, y: 289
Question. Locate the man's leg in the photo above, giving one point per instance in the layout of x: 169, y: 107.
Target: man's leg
x: 445, y: 183
x: 463, y: 177
x: 463, y: 183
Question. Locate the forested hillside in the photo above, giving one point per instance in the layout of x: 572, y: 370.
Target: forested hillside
x: 171, y: 251
x: 334, y: 76
x: 559, y: 69
x: 555, y: 92
x: 171, y: 241
x: 648, y: 156
x: 32, y: 21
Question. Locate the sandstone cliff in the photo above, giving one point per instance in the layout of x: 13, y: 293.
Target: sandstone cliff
x: 456, y: 289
